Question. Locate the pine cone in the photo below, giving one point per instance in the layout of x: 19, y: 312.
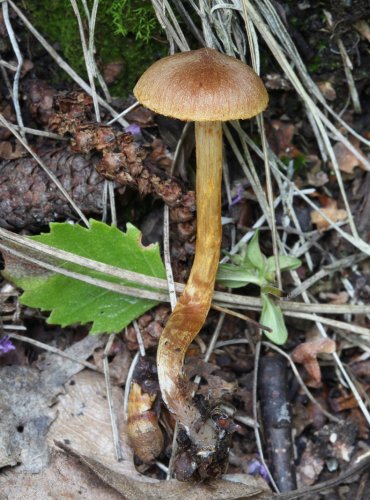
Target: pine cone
x: 29, y: 198
x: 151, y: 325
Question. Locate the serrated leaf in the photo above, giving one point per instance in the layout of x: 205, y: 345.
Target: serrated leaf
x: 272, y: 317
x: 254, y: 254
x: 72, y: 301
x: 236, y: 276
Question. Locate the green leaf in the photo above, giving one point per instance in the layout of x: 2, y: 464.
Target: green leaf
x: 254, y: 254
x: 238, y: 258
x: 272, y: 317
x: 72, y: 301
x: 271, y: 290
x: 286, y: 263
x: 237, y: 276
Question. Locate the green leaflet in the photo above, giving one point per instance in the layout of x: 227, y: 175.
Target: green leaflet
x: 72, y: 301
x: 250, y: 266
x: 272, y: 317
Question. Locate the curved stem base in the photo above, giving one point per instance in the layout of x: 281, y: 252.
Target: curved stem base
x: 192, y: 308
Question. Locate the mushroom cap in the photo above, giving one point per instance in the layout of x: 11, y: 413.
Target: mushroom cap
x: 202, y: 85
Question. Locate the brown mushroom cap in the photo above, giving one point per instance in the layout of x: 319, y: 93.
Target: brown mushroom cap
x: 202, y: 85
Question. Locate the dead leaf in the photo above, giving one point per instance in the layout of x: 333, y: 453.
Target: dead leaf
x: 65, y: 477
x: 112, y: 70
x: 310, y: 466
x: 58, y: 370
x: 363, y: 28
x: 17, y: 152
x: 335, y: 298
x: 141, y: 116
x: 84, y: 425
x: 327, y: 90
x: 332, y: 211
x: 6, y: 150
x: 239, y: 486
x: 347, y: 161
x: 342, y: 401
x: 356, y: 416
x: 274, y: 81
x: 280, y: 135
x: 26, y: 396
x: 83, y: 429
x: 25, y: 400
x: 119, y: 365
x: 318, y: 179
x: 361, y: 369
x: 306, y: 354
x: 218, y: 388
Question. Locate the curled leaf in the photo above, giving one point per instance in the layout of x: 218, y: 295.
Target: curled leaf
x: 306, y: 354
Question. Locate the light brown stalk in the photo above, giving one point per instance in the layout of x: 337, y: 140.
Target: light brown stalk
x: 193, y: 305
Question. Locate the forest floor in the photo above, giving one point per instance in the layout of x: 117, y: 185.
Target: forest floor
x: 64, y: 394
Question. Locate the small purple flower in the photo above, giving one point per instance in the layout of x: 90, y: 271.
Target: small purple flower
x: 255, y: 467
x: 239, y: 195
x: 6, y: 345
x: 135, y: 130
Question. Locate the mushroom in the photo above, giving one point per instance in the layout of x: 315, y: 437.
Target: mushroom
x: 206, y: 87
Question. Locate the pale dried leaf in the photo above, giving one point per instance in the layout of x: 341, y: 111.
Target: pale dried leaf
x: 120, y: 364
x: 335, y: 298
x: 317, y: 179
x: 25, y: 402
x: 64, y: 477
x: 310, y: 466
x: 60, y: 369
x: 347, y: 161
x: 83, y: 429
x: 306, y: 354
x: 327, y: 90
x: 84, y: 425
x: 241, y: 486
x: 363, y: 28
x: 332, y: 212
x: 25, y: 398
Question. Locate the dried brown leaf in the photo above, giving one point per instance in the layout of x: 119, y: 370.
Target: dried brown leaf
x: 112, y: 70
x: 65, y: 477
x: 327, y: 90
x: 84, y: 424
x: 239, y: 486
x: 119, y: 365
x: 332, y: 212
x: 363, y: 28
x: 281, y: 135
x: 307, y: 352
x: 83, y: 429
x: 310, y: 466
x: 347, y: 161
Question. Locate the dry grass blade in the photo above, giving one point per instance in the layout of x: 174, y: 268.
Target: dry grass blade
x: 66, y: 67
x: 22, y: 247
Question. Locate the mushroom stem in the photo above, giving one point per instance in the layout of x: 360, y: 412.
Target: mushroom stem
x: 192, y: 308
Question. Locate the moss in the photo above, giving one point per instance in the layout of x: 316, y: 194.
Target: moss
x: 124, y: 32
